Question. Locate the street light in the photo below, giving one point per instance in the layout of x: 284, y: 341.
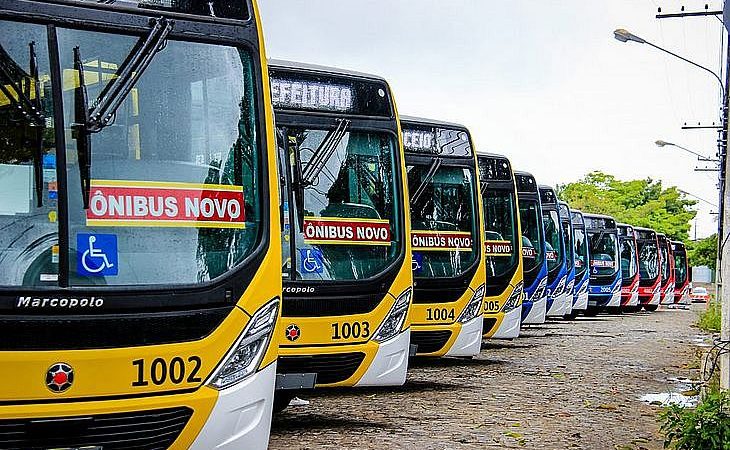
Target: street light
x: 624, y: 36
x: 700, y: 157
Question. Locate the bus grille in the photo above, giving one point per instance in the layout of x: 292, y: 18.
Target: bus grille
x: 330, y: 369
x: 133, y: 430
x: 322, y: 307
x: 45, y: 333
x: 430, y: 341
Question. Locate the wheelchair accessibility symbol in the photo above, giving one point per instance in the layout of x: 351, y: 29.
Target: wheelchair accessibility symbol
x: 97, y: 255
x: 417, y: 262
x: 311, y: 260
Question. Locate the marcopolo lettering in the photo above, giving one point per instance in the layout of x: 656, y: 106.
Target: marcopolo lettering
x: 299, y: 290
x: 59, y: 302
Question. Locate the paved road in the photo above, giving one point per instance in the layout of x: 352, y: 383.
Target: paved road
x: 562, y: 385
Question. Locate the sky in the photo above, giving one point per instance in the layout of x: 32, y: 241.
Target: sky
x: 542, y: 82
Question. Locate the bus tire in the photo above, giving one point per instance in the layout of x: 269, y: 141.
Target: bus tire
x: 616, y: 310
x: 572, y: 316
x: 591, y: 312
x: 651, y: 308
x: 282, y: 400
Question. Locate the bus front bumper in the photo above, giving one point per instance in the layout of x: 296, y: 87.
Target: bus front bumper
x: 241, y: 417
x: 233, y: 418
x: 536, y: 314
x: 581, y: 303
x: 455, y: 339
x: 509, y: 328
x: 605, y: 301
x: 389, y: 366
x: 555, y: 307
x: 469, y: 340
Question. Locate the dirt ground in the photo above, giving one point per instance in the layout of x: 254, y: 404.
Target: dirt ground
x: 562, y: 385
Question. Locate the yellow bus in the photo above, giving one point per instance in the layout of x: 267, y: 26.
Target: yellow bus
x: 346, y: 256
x: 140, y: 260
x: 446, y: 238
x: 503, y: 248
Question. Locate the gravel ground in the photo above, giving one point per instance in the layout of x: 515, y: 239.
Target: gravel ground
x: 562, y: 385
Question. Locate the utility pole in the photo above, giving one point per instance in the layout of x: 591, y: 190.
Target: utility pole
x: 723, y: 250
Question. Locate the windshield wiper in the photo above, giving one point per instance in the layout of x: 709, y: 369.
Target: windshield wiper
x: 30, y: 109
x: 324, y: 152
x: 435, y: 165
x: 93, y: 120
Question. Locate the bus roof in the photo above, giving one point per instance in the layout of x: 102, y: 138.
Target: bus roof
x: 491, y: 155
x: 548, y: 195
x: 435, y: 123
x: 280, y: 64
x: 520, y: 176
x: 576, y: 217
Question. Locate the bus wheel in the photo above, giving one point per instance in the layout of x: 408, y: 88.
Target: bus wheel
x: 572, y: 315
x: 591, y: 312
x: 651, y: 308
x: 613, y: 310
x: 282, y: 400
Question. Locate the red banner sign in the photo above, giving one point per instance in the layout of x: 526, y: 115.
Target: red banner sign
x: 445, y: 241
x: 551, y: 255
x: 160, y: 204
x: 351, y: 231
x: 529, y: 252
x: 498, y: 248
x: 601, y: 263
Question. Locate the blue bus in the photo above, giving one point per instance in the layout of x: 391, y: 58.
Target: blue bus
x: 534, y: 305
x: 554, y: 252
x: 604, y: 290
x: 580, y: 245
x: 567, y: 227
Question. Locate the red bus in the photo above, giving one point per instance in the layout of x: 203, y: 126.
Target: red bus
x: 650, y: 276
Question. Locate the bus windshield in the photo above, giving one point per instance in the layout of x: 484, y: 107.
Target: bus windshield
x: 665, y: 262
x: 628, y: 259
x: 500, y: 226
x: 648, y: 259
x: 604, y: 252
x: 680, y: 267
x: 344, y: 204
x: 568, y: 245
x: 581, y: 252
x: 532, y: 240
x: 175, y: 178
x: 443, y: 220
x: 553, y: 239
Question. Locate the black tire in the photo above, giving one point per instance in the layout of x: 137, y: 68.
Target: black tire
x: 572, y: 316
x: 282, y: 399
x: 616, y: 310
x: 631, y: 309
x: 651, y: 308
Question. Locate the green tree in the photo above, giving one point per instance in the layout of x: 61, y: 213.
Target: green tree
x: 642, y: 203
x: 703, y: 252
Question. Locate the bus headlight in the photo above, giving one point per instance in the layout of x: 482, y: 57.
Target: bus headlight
x: 246, y: 354
x: 514, y: 299
x: 474, y: 307
x: 393, y: 322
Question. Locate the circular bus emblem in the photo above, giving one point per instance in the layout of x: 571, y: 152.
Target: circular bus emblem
x: 59, y: 377
x: 293, y: 332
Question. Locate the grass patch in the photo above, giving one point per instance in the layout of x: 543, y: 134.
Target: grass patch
x: 706, y: 427
x: 709, y: 319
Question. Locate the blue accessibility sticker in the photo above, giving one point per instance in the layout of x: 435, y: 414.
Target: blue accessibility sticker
x: 97, y: 255
x: 311, y: 260
x: 417, y: 262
